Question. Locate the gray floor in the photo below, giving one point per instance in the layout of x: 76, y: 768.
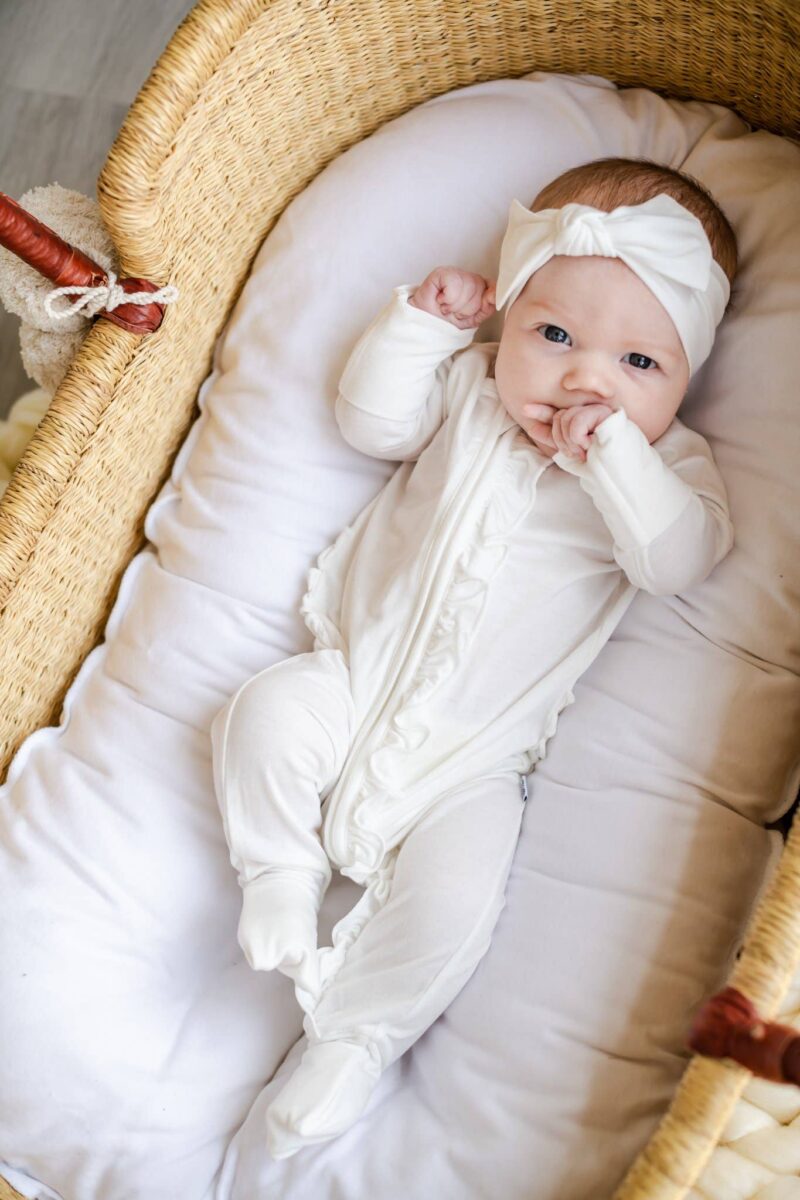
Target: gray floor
x: 69, y: 70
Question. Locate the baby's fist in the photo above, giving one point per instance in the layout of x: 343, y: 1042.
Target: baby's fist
x: 573, y: 427
x: 459, y: 297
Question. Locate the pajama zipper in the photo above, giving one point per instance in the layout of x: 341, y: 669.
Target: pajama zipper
x: 355, y: 765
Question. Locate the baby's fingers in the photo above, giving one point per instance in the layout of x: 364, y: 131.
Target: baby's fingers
x: 541, y: 431
x: 488, y: 307
x: 539, y: 412
x: 558, y: 435
x: 563, y: 435
x: 466, y: 298
x: 453, y: 293
x: 581, y: 422
x: 577, y: 424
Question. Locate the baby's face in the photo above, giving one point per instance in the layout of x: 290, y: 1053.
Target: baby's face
x: 586, y: 330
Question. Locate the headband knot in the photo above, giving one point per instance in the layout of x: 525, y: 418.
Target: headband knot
x: 660, y: 240
x: 577, y: 230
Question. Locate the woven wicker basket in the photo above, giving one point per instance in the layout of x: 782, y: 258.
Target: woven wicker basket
x: 246, y: 105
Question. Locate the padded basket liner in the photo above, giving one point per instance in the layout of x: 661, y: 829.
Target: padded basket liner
x: 98, y: 845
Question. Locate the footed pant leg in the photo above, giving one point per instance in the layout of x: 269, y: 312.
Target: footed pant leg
x: 278, y: 747
x: 410, y: 960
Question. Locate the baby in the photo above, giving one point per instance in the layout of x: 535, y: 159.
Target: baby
x: 544, y: 479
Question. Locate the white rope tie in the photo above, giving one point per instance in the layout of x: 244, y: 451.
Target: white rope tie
x: 106, y: 296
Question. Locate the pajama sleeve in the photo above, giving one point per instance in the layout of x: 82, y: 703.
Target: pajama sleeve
x: 665, y: 505
x: 392, y: 394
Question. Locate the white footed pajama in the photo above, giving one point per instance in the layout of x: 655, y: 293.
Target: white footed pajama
x: 419, y: 931
x: 451, y: 621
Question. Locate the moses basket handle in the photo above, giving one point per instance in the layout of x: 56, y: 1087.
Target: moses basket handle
x: 728, y: 1026
x: 63, y: 264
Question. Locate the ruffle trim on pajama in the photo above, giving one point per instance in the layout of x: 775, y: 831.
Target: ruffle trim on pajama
x: 459, y: 615
x: 460, y: 612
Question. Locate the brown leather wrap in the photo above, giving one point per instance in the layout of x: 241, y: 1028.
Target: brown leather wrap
x: 728, y: 1026
x: 44, y: 250
x: 41, y: 248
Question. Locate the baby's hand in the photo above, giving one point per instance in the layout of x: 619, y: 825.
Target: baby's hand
x: 567, y: 429
x: 459, y: 297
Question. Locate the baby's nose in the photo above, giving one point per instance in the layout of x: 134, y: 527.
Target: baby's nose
x: 588, y: 391
x: 587, y: 382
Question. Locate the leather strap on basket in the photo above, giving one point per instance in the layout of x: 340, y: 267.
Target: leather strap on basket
x: 728, y: 1026
x: 41, y: 248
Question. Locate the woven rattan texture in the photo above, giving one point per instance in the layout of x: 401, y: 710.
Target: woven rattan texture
x: 246, y: 105
x: 685, y: 1139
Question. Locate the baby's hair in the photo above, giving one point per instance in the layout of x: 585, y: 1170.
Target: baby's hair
x: 607, y: 183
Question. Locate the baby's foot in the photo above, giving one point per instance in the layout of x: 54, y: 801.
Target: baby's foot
x: 327, y: 1094
x: 278, y: 929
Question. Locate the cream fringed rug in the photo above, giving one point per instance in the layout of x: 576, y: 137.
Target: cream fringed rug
x: 17, y: 430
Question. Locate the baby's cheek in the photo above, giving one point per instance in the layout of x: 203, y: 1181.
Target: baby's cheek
x: 642, y: 421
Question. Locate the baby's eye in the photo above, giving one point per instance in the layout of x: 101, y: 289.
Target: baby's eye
x: 553, y: 333
x: 641, y: 360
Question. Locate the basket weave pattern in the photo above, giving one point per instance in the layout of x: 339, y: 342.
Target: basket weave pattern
x: 250, y: 100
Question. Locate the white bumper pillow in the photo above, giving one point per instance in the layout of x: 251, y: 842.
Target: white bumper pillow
x: 139, y: 1048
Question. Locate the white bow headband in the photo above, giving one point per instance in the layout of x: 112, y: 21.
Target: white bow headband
x: 660, y: 240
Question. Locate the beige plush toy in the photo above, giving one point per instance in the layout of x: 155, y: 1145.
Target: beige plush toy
x: 48, y: 343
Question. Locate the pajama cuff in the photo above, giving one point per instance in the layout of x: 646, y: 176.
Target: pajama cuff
x: 397, y: 355
x: 283, y: 885
x: 638, y: 495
